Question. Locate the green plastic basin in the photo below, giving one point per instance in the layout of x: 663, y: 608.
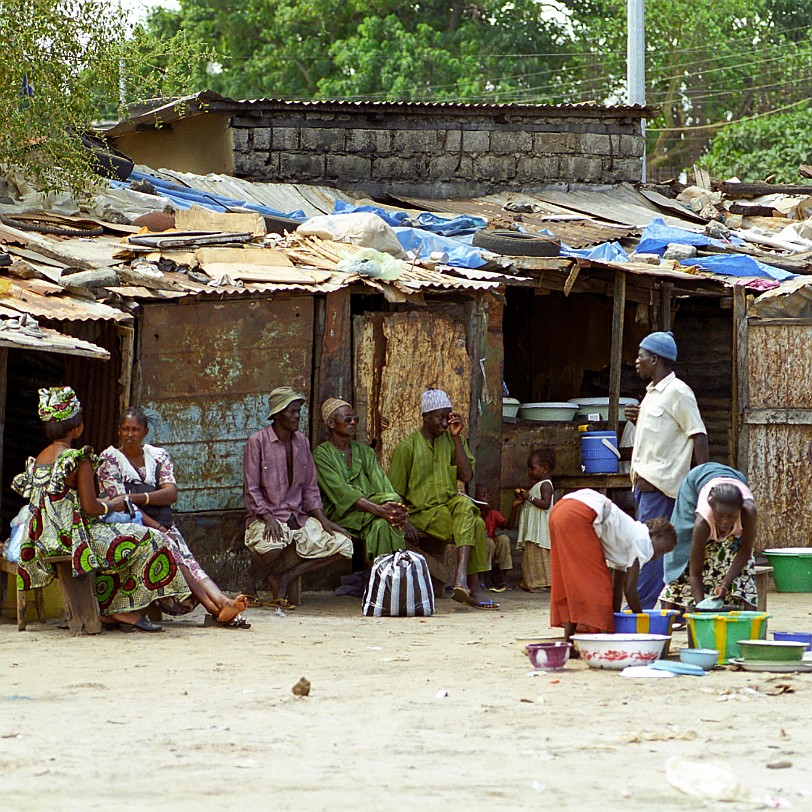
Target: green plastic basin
x: 792, y: 568
x: 772, y: 651
x: 724, y: 630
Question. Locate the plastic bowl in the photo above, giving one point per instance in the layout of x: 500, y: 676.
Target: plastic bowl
x: 722, y: 631
x: 792, y: 568
x: 796, y: 637
x: 550, y: 411
x: 510, y: 407
x: 616, y: 651
x: 705, y: 658
x: 772, y: 651
x: 548, y: 656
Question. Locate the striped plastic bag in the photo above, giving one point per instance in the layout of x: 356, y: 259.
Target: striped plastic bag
x: 399, y: 586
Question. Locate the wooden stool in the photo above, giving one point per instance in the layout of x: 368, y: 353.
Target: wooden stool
x: 10, y: 568
x: 762, y: 581
x: 78, y: 595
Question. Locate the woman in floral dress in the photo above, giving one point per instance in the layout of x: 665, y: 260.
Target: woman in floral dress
x: 715, y: 518
x: 134, y: 565
x: 147, y: 473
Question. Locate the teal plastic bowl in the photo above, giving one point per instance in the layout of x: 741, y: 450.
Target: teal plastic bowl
x: 705, y: 658
x: 792, y: 568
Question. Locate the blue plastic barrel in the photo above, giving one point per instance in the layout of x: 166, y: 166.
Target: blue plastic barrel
x: 599, y: 454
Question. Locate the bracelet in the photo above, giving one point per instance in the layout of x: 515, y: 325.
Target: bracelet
x: 146, y: 498
x: 106, y: 508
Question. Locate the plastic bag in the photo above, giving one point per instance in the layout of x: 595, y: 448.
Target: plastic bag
x: 370, y: 262
x: 358, y: 228
x: 19, y: 524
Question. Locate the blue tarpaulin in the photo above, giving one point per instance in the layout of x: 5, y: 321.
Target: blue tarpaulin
x: 657, y: 236
x: 424, y: 243
x: 426, y: 220
x: 738, y: 265
x: 184, y: 198
x: 607, y: 251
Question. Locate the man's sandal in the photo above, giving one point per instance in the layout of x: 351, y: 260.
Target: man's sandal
x: 239, y: 622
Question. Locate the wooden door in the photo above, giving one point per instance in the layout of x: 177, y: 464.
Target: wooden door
x: 775, y: 442
x: 397, y: 357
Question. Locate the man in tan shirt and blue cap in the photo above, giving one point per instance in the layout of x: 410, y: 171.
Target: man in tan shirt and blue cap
x: 668, y: 432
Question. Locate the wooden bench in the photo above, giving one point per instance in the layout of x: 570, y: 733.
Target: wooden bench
x: 762, y: 582
x: 441, y: 558
x: 78, y: 595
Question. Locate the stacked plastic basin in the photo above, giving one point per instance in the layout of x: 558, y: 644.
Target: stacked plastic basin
x: 723, y: 630
x: 650, y: 621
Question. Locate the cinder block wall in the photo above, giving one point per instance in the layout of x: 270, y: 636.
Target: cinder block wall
x: 439, y: 154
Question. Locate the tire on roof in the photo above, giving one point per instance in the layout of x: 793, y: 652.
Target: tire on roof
x: 516, y: 244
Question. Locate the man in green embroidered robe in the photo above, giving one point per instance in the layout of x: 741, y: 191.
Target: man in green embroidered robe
x: 355, y: 490
x: 425, y: 468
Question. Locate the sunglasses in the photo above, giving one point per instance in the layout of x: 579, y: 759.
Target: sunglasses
x: 347, y: 418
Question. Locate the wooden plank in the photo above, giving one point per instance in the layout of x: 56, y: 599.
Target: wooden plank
x: 489, y: 445
x: 665, y: 306
x: 127, y: 342
x: 785, y: 417
x: 333, y: 361
x: 734, y: 189
x: 740, y: 379
x: 616, y: 353
x: 776, y: 348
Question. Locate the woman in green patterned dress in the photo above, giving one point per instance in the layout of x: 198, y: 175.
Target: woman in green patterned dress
x: 134, y: 565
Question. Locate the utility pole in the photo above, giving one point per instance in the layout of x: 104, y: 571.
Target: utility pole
x: 636, y: 62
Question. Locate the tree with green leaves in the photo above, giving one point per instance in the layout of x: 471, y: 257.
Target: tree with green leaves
x: 63, y: 65
x: 760, y: 147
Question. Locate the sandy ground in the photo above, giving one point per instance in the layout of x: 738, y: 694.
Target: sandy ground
x: 200, y: 718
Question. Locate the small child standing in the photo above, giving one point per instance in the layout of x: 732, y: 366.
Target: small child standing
x: 534, y: 533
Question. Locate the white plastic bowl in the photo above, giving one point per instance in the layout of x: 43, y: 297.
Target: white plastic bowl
x: 600, y: 406
x: 616, y: 651
x: 548, y: 411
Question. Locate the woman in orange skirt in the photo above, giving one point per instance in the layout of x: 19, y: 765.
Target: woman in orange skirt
x: 595, y: 556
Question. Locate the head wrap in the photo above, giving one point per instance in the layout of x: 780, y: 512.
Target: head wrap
x: 661, y: 344
x: 434, y: 399
x: 58, y: 403
x: 331, y: 405
x: 280, y: 398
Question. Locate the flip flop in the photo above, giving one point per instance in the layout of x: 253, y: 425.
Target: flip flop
x: 498, y: 589
x: 239, y: 622
x: 461, y: 595
x: 488, y: 604
x: 281, y: 603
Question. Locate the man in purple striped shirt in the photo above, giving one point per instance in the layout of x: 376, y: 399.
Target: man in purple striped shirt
x: 283, y: 502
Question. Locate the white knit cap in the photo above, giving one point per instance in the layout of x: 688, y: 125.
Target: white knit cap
x: 434, y: 399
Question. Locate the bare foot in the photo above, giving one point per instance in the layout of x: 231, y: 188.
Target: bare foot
x: 232, y: 608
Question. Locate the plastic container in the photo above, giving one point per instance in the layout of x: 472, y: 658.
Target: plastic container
x: 649, y: 621
x: 705, y: 658
x: 722, y: 631
x: 548, y: 656
x: 510, y: 408
x: 792, y: 568
x: 551, y: 411
x: 772, y: 651
x: 599, y: 453
x: 598, y: 408
x: 796, y: 637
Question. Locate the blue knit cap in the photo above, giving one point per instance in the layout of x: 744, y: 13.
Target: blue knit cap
x: 661, y: 344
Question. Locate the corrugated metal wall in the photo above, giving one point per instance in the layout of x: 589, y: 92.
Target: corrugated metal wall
x: 206, y: 369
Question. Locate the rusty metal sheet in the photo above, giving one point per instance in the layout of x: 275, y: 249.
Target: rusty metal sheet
x: 207, y: 368
x: 780, y: 365
x: 60, y: 307
x: 778, y: 473
x: 400, y: 355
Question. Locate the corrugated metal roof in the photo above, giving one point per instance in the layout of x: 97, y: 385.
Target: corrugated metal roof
x: 23, y: 298
x: 46, y: 340
x: 209, y: 102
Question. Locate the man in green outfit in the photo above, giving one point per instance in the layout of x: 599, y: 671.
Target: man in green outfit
x: 356, y: 492
x: 425, y: 469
